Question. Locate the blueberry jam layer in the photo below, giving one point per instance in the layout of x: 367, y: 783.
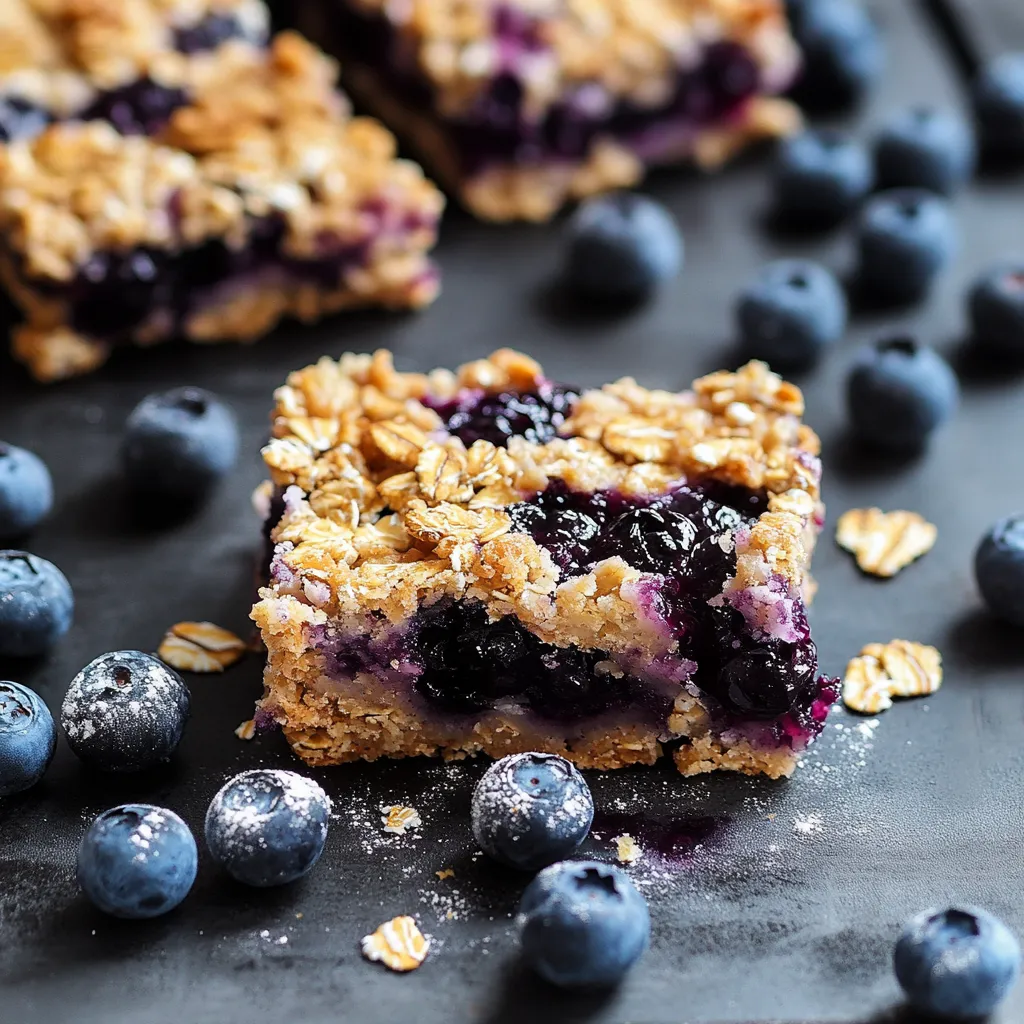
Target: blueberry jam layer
x: 142, y: 107
x: 497, y: 130
x: 116, y: 293
x: 534, y: 415
x: 459, y: 662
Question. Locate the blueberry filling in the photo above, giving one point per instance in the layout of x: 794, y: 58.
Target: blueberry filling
x: 116, y: 293
x: 20, y: 118
x: 459, y: 662
x: 534, y: 415
x: 497, y: 129
x: 210, y: 32
x: 141, y: 108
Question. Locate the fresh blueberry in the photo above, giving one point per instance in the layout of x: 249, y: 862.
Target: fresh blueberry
x: 621, y: 246
x: 582, y: 924
x: 906, y: 237
x: 821, y: 177
x: 925, y: 148
x: 178, y: 444
x: 898, y: 392
x: 36, y: 605
x: 790, y: 313
x: 956, y: 964
x: 26, y: 491
x: 996, y: 305
x: 27, y: 738
x: 999, y: 106
x: 267, y: 826
x: 137, y: 861
x: 842, y: 53
x: 999, y: 569
x: 125, y: 712
x: 530, y: 810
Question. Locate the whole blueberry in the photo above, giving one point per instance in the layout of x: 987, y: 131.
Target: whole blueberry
x: 137, y: 861
x: 26, y: 491
x: 999, y: 569
x: 582, y: 924
x: 621, y: 246
x: 842, y: 52
x: 125, y: 712
x: 790, y: 313
x: 898, y: 392
x: 956, y: 964
x: 531, y: 809
x: 27, y: 738
x: 820, y: 177
x: 36, y: 605
x: 996, y: 306
x: 268, y: 827
x: 178, y: 444
x: 999, y: 105
x: 906, y: 237
x: 925, y: 148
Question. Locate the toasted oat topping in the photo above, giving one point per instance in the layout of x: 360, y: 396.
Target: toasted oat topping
x: 613, y: 48
x: 247, y: 730
x: 265, y: 134
x: 398, y: 819
x: 60, y: 53
x: 884, y: 542
x: 900, y: 668
x: 398, y: 944
x: 200, y: 647
x: 384, y: 509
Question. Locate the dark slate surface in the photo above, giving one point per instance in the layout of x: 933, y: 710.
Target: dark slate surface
x: 775, y: 901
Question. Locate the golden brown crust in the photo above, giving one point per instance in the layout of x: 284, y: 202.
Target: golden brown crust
x: 61, y: 53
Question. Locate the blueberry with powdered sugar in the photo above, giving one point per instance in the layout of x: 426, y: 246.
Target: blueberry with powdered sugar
x: 137, y: 861
x: 267, y: 826
x: 530, y: 810
x: 125, y: 712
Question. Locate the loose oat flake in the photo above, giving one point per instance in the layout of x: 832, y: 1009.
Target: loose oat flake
x: 398, y: 944
x: 884, y: 542
x: 445, y: 873
x: 200, y: 647
x: 880, y: 672
x: 627, y: 850
x: 246, y: 730
x: 398, y: 819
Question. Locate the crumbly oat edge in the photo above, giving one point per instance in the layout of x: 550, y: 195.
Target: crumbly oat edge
x: 509, y: 193
x: 328, y: 729
x: 52, y: 351
x: 632, y: 51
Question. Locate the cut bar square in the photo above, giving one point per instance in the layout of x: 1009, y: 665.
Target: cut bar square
x: 488, y: 561
x: 261, y: 197
x: 519, y: 106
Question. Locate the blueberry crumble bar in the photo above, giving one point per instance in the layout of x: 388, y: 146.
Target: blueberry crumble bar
x: 130, y: 62
x: 490, y: 561
x: 521, y: 105
x: 261, y: 197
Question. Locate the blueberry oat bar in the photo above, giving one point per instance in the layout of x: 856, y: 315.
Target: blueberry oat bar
x: 260, y: 198
x: 131, y: 62
x: 490, y: 561
x: 521, y: 105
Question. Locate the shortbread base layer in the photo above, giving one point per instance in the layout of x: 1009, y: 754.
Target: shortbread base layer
x: 536, y: 192
x: 52, y: 350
